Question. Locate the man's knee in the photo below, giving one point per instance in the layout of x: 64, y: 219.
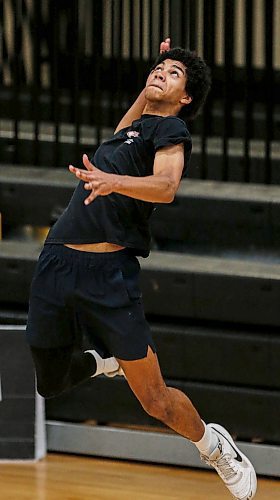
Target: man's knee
x: 51, y: 367
x: 47, y: 390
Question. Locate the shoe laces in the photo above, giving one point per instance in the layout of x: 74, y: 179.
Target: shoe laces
x: 224, y: 466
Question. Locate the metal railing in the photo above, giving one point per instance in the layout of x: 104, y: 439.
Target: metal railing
x: 70, y: 69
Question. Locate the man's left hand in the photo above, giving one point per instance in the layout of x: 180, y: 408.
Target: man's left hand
x: 98, y: 182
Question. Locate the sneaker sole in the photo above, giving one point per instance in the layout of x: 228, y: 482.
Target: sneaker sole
x: 253, y: 476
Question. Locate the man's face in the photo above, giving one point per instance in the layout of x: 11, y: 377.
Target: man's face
x: 167, y: 82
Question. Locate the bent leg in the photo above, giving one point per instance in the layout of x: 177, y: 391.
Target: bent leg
x: 167, y: 404
x: 60, y: 368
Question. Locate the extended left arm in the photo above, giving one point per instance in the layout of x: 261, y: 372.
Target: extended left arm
x: 160, y: 187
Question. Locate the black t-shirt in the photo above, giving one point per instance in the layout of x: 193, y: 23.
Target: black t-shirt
x: 118, y: 218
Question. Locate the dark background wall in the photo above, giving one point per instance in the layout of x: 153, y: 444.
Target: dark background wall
x: 68, y: 71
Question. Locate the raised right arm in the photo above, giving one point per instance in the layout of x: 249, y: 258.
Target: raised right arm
x: 136, y: 110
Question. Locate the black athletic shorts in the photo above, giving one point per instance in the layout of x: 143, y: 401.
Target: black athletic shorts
x: 97, y: 295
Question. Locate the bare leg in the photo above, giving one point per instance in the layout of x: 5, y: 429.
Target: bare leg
x: 169, y: 405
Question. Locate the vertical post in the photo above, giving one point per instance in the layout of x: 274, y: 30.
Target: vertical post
x: 2, y: 77
x: 161, y: 20
x: 208, y: 54
x: 114, y: 94
x: 151, y: 13
x: 186, y: 28
x: 36, y: 75
x: 140, y: 49
x: 2, y: 42
x: 76, y: 80
x: 191, y: 25
x: 228, y: 82
x: 131, y: 31
x: 269, y: 86
x: 177, y: 22
x: 97, y: 55
x: 17, y: 60
x: 169, y: 20
x: 54, y: 67
x: 117, y: 98
x: 248, y: 122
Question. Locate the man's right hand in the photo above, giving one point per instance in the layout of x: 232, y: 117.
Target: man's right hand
x: 165, y: 46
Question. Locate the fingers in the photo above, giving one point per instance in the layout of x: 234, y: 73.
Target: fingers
x: 80, y: 174
x: 89, y: 187
x: 167, y: 42
x: 165, y: 46
x: 89, y: 184
x: 95, y: 180
x: 77, y: 171
x: 90, y: 198
x: 72, y: 169
x: 87, y: 164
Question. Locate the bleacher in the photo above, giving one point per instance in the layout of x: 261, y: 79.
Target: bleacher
x: 211, y: 291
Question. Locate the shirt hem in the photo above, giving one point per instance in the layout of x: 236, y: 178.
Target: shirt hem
x: 144, y: 252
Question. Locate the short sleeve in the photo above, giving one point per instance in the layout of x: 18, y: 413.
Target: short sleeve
x: 172, y: 131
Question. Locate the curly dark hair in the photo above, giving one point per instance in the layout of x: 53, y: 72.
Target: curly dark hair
x: 198, y: 78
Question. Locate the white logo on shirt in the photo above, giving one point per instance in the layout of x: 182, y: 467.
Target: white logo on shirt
x: 130, y: 134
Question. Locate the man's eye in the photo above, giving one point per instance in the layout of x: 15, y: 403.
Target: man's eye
x: 174, y: 72
x: 158, y: 68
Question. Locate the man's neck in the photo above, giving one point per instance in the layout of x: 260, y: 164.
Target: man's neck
x: 152, y: 108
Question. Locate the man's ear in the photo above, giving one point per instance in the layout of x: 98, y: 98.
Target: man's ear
x: 187, y: 99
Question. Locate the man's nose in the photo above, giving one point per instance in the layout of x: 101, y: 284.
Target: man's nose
x: 161, y: 75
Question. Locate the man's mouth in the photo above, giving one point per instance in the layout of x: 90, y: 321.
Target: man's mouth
x: 155, y: 85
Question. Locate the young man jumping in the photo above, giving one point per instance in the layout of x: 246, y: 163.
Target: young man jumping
x: 87, y: 278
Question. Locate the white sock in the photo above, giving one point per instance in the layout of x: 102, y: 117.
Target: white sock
x: 103, y: 365
x: 208, y: 442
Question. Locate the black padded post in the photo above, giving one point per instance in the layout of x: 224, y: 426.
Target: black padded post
x: 21, y: 408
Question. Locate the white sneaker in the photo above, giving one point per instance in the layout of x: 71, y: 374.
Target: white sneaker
x: 233, y: 467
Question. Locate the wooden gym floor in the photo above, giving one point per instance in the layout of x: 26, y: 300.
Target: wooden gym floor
x: 68, y: 477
